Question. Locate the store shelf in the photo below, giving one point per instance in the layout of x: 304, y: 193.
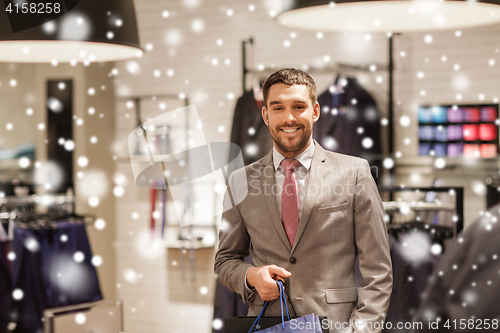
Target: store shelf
x: 419, y: 206
x: 483, y: 164
x: 195, y: 245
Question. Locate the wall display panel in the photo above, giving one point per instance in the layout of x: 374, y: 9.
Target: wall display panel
x: 459, y: 130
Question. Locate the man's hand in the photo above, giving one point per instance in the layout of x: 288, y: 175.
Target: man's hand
x: 264, y: 280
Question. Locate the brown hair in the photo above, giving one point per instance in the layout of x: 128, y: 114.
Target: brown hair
x: 290, y: 76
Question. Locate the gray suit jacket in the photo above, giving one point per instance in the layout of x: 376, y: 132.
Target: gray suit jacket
x: 342, y: 218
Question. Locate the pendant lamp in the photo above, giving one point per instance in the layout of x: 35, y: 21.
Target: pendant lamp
x: 388, y: 15
x: 68, y: 31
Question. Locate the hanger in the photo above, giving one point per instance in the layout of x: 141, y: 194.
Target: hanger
x: 257, y: 89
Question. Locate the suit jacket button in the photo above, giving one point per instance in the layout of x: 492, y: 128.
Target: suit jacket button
x: 293, y: 261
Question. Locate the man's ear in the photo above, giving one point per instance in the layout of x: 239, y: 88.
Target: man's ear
x: 316, y: 112
x: 265, y: 116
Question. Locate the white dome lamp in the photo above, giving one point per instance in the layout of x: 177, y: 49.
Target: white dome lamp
x: 69, y: 31
x: 387, y: 16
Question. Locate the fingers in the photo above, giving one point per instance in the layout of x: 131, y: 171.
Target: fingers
x: 279, y: 272
x: 268, y: 288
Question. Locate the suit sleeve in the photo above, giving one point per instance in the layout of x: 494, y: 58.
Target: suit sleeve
x: 372, y: 245
x: 234, y: 243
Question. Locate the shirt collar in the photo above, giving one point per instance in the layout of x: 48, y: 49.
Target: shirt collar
x: 305, y: 158
x: 7, y: 235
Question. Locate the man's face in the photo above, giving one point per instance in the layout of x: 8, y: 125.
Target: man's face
x: 290, y: 116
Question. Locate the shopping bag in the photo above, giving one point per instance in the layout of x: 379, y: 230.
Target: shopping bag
x: 247, y: 324
x: 304, y: 324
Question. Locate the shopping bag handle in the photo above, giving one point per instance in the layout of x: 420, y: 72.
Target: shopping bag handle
x: 290, y: 301
x: 281, y: 288
x: 257, y: 320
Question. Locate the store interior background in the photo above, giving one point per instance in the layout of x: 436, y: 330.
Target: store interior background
x: 196, y: 47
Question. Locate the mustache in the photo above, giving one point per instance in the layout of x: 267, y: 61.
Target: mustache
x: 296, y: 126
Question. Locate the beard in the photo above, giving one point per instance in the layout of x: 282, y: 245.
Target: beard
x: 294, y: 144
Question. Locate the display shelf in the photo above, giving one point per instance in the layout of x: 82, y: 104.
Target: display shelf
x: 185, y: 244
x: 458, y: 207
x: 450, y: 162
x: 471, y: 142
x: 419, y: 206
x: 157, y: 157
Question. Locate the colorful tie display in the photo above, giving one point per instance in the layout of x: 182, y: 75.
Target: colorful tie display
x: 289, y: 199
x: 459, y: 131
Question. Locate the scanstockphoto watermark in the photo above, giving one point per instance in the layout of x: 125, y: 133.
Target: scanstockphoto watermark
x: 322, y: 170
x: 258, y: 188
x: 355, y: 325
x: 337, y: 180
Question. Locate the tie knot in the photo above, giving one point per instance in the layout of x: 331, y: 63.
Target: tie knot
x: 289, y: 164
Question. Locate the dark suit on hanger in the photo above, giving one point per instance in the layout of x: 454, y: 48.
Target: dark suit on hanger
x: 409, y: 282
x: 26, y: 275
x: 66, y: 281
x: 465, y: 284
x: 247, y: 116
x: 355, y: 108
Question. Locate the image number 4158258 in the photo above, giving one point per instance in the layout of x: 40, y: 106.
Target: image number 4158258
x: 23, y: 15
x: 34, y: 8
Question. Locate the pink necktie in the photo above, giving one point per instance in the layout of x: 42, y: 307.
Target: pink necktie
x: 289, y: 199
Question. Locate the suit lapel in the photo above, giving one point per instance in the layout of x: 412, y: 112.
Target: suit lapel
x: 316, y: 175
x: 267, y: 179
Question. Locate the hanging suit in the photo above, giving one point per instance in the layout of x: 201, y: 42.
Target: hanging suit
x: 66, y: 281
x: 25, y: 274
x: 464, y: 285
x: 409, y: 282
x: 342, y: 113
x: 257, y: 142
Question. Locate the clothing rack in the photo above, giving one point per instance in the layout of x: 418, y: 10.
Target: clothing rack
x: 45, y: 199
x: 458, y: 207
x: 39, y: 211
x: 340, y: 68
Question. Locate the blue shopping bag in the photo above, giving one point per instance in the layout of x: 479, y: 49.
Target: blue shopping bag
x: 304, y: 324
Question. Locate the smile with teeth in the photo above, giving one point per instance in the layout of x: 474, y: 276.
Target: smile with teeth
x: 289, y: 130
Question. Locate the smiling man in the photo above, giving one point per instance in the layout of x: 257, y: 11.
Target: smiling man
x: 326, y: 213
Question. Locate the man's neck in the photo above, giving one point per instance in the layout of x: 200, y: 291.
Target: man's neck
x: 293, y: 154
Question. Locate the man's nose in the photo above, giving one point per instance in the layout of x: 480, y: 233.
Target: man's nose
x: 289, y: 117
